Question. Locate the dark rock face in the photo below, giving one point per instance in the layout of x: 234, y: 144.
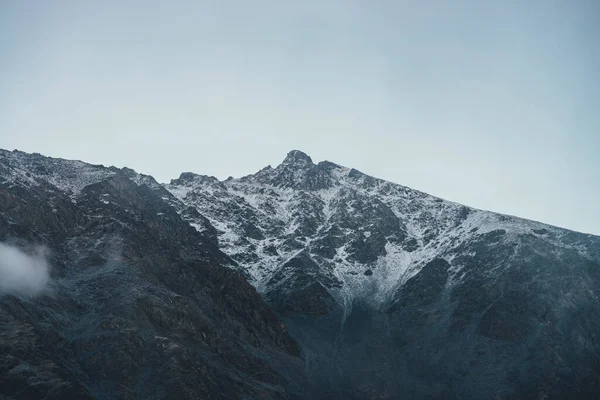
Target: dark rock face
x: 294, y: 289
x: 503, y: 331
x: 140, y: 304
x: 521, y: 336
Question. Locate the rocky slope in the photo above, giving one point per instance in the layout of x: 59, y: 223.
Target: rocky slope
x: 388, y: 292
x: 139, y: 305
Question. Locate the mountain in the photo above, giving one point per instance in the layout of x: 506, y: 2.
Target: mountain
x: 378, y: 291
x: 392, y: 292
x: 140, y: 304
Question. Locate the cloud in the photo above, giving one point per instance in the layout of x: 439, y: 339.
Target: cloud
x: 23, y: 273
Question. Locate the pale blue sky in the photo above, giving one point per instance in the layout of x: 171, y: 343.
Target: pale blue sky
x: 495, y: 104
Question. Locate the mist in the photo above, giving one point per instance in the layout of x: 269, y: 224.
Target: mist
x: 23, y: 273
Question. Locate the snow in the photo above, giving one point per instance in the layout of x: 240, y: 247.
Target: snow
x: 196, y: 226
x: 68, y: 176
x: 180, y: 192
x: 286, y: 210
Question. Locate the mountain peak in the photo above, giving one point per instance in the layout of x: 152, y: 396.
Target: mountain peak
x: 297, y: 157
x: 190, y: 177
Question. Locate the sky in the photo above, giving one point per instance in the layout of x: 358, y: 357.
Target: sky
x: 493, y: 104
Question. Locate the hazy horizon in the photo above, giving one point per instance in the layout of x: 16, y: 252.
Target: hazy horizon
x: 489, y: 104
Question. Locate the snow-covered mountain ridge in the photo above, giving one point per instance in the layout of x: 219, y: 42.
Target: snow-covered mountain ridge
x: 366, y: 236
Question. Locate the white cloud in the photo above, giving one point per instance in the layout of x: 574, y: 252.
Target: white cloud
x: 23, y: 273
